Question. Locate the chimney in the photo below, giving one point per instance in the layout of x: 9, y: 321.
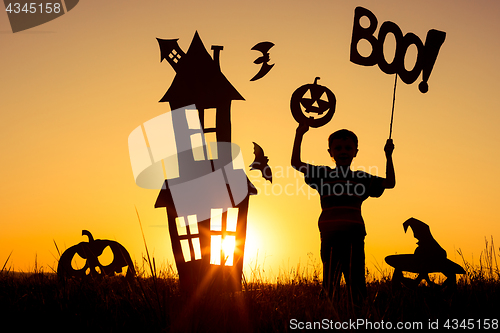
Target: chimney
x: 217, y: 49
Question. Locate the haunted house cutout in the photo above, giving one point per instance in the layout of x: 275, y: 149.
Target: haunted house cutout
x: 208, y: 232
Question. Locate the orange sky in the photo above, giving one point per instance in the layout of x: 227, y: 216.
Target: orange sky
x: 73, y: 89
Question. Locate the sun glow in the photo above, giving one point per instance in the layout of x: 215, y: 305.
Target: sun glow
x: 252, y: 244
x: 228, y: 245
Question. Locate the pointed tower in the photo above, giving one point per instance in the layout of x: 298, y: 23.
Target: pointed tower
x: 171, y: 51
x: 199, y: 81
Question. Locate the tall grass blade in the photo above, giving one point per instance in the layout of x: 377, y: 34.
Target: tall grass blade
x: 57, y: 248
x: 5, y: 264
x: 152, y: 267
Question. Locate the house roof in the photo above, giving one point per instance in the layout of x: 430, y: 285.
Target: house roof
x: 199, y: 80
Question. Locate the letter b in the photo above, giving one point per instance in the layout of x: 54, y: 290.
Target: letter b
x: 359, y: 33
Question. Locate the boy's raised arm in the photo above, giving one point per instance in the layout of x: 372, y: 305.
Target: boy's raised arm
x: 296, y: 160
x: 390, y: 176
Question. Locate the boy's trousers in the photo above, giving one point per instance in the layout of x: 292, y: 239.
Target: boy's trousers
x: 343, y: 252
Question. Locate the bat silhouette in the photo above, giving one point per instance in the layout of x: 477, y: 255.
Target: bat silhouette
x: 260, y: 163
x: 263, y: 47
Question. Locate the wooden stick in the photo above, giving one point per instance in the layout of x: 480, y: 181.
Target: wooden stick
x: 393, y: 102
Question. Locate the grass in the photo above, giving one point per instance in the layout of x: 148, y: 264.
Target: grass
x: 153, y: 302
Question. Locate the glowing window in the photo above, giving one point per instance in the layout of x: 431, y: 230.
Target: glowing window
x: 210, y: 118
x: 211, y: 142
x: 186, y: 252
x: 216, y: 219
x: 228, y: 245
x: 222, y: 248
x: 196, y: 248
x: 193, y: 224
x: 181, y: 226
x: 175, y: 56
x: 232, y: 219
x: 197, y: 146
x: 193, y: 119
x: 215, y: 249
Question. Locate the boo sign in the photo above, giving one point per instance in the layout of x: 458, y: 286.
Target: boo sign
x: 426, y: 53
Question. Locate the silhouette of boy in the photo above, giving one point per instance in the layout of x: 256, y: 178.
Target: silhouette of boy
x: 342, y: 191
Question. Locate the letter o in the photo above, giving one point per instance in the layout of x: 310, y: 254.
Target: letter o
x: 341, y: 189
x: 278, y: 186
x: 409, y: 77
x: 363, y: 190
x: 398, y: 61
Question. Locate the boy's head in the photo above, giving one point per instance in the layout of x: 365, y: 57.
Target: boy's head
x: 343, y: 146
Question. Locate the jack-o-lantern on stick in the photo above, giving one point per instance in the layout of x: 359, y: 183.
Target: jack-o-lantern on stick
x: 313, y: 104
x: 91, y: 251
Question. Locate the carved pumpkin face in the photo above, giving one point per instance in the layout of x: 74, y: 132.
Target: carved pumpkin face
x: 313, y: 104
x: 91, y: 251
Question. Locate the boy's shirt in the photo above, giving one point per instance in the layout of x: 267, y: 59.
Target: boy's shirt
x: 342, y: 194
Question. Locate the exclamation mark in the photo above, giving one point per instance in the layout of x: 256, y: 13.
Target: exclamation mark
x: 433, y: 42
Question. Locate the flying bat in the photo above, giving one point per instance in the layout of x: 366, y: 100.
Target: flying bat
x: 260, y: 163
x: 263, y: 47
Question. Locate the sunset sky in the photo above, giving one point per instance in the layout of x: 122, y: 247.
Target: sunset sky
x: 73, y: 89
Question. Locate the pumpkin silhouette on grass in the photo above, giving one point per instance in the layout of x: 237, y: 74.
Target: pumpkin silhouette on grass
x: 91, y: 251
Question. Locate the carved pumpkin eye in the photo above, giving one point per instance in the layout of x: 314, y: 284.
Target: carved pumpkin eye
x: 107, y: 257
x: 78, y: 262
